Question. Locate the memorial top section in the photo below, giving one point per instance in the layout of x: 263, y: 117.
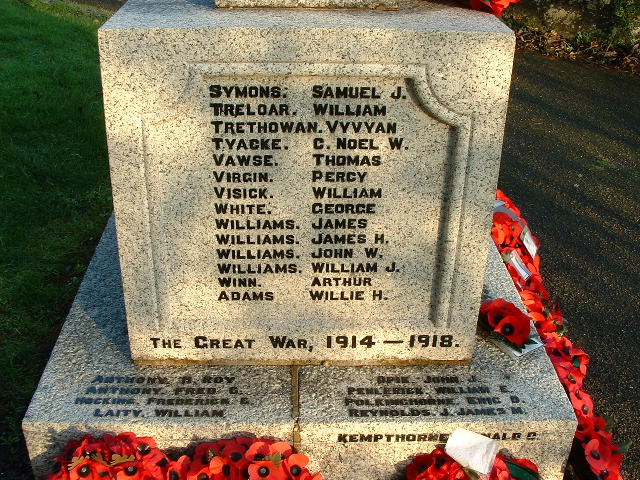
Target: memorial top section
x: 411, y: 15
x: 300, y: 186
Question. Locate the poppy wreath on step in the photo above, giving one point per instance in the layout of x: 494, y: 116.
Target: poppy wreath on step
x: 437, y: 465
x: 245, y: 458
x: 122, y: 457
x: 594, y: 443
x: 127, y: 457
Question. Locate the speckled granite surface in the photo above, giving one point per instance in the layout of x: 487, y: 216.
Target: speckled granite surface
x: 187, y: 89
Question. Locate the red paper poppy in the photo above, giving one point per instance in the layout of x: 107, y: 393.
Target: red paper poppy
x: 92, y: 446
x: 455, y: 472
x: 236, y: 452
x: 228, y: 446
x: 506, y: 319
x: 231, y: 446
x: 561, y: 349
x: 539, y: 319
x: 495, y: 310
x: 533, y: 264
x: 145, y: 448
x: 245, y: 441
x: 263, y: 449
x: 266, y: 470
x: 178, y: 470
x: 556, y: 317
x: 532, y: 301
x: 88, y: 469
x: 582, y: 402
x: 536, y: 285
x: 202, y: 455
x: 515, y: 328
x: 505, y: 231
x: 593, y: 426
x: 418, y: 466
x: 436, y: 465
x: 202, y: 473
x: 223, y: 468
x: 440, y: 459
x: 502, y: 470
x: 569, y: 376
x: 614, y: 466
x: 283, y: 448
x: 598, y: 455
x: 600, y: 428
x: 499, y: 471
x: 134, y: 471
x: 151, y: 462
x: 118, y: 446
x: 295, y: 465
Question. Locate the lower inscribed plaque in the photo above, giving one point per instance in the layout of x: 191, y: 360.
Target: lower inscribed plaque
x: 91, y: 386
x: 379, y: 418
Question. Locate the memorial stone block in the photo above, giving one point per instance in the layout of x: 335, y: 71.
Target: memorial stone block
x: 291, y: 192
x: 297, y: 187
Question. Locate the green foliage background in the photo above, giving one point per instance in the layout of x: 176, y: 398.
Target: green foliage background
x: 617, y: 22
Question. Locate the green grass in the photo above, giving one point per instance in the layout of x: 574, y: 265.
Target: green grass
x: 601, y: 164
x: 55, y: 196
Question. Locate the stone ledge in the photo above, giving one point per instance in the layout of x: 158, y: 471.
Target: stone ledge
x: 354, y: 4
x: 80, y: 392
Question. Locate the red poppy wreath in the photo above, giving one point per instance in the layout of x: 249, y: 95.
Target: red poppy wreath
x: 127, y: 457
x: 599, y: 455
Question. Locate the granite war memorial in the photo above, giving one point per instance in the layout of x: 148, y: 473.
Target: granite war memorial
x: 300, y: 244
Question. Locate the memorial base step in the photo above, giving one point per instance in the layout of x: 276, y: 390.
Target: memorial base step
x: 348, y: 420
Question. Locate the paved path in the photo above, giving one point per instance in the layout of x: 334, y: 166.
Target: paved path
x: 571, y: 162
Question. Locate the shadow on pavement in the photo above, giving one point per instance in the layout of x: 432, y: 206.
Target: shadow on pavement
x: 571, y: 162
